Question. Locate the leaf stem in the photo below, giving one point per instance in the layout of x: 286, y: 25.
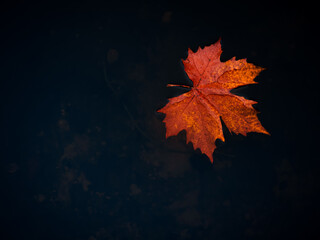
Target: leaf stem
x: 178, y: 85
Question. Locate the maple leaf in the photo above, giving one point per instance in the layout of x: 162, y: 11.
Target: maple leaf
x: 199, y: 110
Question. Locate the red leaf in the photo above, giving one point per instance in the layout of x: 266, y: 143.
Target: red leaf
x: 199, y: 110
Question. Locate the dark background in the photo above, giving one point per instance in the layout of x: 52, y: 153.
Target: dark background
x: 83, y: 151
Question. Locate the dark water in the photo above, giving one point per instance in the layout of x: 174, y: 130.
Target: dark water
x: 83, y: 151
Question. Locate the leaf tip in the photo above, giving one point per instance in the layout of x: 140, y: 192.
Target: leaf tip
x: 267, y: 133
x: 211, y: 158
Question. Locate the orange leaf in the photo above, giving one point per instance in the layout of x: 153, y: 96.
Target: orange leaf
x: 199, y: 110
